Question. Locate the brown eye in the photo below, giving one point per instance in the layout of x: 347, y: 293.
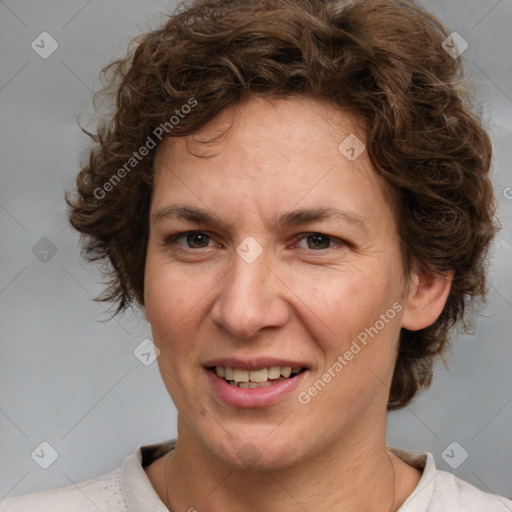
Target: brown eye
x: 318, y: 241
x: 193, y: 240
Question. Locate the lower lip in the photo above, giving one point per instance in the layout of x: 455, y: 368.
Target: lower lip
x: 255, y: 397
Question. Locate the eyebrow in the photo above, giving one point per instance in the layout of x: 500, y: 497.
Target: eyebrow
x: 295, y: 217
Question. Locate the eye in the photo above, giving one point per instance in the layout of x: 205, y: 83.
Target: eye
x: 193, y: 239
x: 319, y: 241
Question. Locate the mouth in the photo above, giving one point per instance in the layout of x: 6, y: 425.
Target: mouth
x: 256, y: 378
x: 260, y: 382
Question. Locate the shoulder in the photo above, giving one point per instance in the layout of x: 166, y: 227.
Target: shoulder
x: 99, y: 493
x: 124, y: 488
x: 440, y: 491
x: 452, y: 493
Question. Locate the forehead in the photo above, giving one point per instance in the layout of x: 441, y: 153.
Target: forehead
x: 271, y: 154
x: 288, y: 124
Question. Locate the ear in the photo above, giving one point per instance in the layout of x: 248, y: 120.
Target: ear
x: 426, y: 298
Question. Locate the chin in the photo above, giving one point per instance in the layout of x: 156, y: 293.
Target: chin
x: 257, y: 451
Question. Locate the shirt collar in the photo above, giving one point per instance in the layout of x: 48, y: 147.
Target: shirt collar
x: 138, y: 492
x: 420, y: 498
x: 140, y: 495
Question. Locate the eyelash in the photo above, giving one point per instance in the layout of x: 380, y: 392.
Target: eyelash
x: 171, y: 240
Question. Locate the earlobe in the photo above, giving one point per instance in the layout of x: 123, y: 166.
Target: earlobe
x: 426, y: 299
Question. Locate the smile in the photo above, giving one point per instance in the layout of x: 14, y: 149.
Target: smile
x: 256, y: 385
x: 252, y: 379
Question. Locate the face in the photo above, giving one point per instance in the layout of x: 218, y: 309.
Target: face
x: 246, y: 278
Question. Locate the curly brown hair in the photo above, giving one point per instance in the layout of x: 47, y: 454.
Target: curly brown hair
x: 384, y: 58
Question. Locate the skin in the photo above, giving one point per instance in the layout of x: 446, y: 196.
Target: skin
x: 296, y: 301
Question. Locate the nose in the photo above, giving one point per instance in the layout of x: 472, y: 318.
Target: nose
x: 252, y: 296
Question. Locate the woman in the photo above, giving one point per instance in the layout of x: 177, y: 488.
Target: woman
x: 297, y: 195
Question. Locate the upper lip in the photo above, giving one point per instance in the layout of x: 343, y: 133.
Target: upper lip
x: 253, y: 363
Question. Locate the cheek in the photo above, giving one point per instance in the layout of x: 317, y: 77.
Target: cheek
x: 176, y: 305
x: 340, y: 306
x: 169, y: 310
x: 165, y: 295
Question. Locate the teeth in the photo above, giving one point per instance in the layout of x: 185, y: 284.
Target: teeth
x: 286, y: 371
x: 240, y: 375
x: 257, y: 377
x: 274, y: 372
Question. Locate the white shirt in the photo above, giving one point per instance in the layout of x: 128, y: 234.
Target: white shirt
x: 128, y: 489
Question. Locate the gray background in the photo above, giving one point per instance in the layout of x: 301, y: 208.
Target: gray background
x: 73, y: 381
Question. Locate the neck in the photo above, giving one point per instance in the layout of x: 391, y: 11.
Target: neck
x: 354, y: 473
